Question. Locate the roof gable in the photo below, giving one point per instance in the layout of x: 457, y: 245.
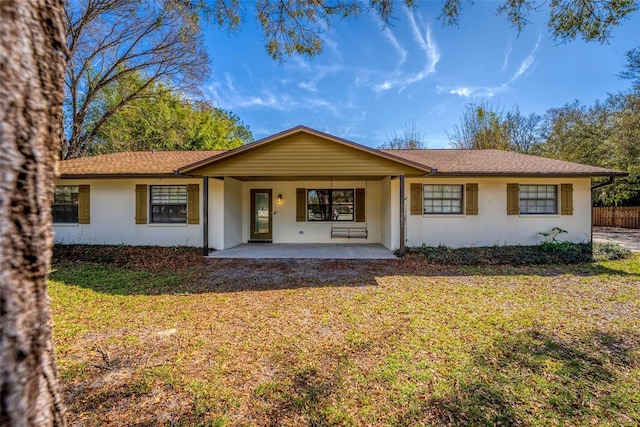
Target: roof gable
x: 303, y: 151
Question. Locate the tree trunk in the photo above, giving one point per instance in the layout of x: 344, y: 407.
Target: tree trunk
x: 32, y: 59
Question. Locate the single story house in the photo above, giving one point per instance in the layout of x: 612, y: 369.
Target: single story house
x: 306, y: 186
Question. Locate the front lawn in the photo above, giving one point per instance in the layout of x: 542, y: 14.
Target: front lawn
x: 164, y: 337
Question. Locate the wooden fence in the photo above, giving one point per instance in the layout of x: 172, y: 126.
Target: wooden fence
x: 626, y: 217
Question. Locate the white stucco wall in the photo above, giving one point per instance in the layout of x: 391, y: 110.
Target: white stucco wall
x: 385, y: 213
x: 233, y: 209
x: 492, y: 225
x: 216, y: 213
x: 285, y: 227
x: 113, y: 213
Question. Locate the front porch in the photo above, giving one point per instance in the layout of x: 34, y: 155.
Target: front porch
x: 305, y: 251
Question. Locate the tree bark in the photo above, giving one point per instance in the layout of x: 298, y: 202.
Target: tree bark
x: 32, y: 60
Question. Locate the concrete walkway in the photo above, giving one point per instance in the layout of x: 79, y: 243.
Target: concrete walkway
x: 626, y: 237
x: 291, y: 250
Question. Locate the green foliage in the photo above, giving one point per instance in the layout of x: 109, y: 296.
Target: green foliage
x: 114, y: 42
x: 161, y: 119
x: 568, y: 19
x: 570, y: 253
x: 484, y: 126
x: 552, y: 244
x: 605, y: 134
x: 610, y: 252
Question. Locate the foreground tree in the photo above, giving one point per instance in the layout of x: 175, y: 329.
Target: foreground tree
x: 32, y: 59
x: 164, y: 120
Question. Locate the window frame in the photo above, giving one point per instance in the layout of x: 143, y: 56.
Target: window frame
x: 76, y: 203
x: 330, y: 205
x: 461, y: 199
x: 152, y: 204
x: 523, y: 210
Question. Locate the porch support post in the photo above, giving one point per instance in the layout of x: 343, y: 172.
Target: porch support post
x: 205, y: 216
x: 402, y: 249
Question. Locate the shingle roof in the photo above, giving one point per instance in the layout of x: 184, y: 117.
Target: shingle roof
x: 446, y: 161
x: 496, y: 162
x: 133, y: 163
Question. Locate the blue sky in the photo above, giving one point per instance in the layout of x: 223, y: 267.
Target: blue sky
x: 369, y: 82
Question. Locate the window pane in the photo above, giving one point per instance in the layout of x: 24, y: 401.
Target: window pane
x: 168, y: 204
x: 330, y: 205
x: 445, y: 199
x: 65, y: 204
x: 538, y: 199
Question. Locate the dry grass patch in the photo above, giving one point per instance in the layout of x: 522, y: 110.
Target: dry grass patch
x: 312, y: 342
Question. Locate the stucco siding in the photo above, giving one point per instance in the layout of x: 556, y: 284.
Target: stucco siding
x: 287, y: 230
x: 233, y: 210
x: 113, y: 212
x: 216, y: 214
x: 492, y: 225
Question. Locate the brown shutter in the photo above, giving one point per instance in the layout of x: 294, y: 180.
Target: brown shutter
x: 193, y: 204
x: 141, y: 203
x: 472, y: 199
x: 416, y: 199
x: 513, y: 199
x: 84, y: 207
x: 360, y: 205
x: 566, y: 200
x: 301, y: 205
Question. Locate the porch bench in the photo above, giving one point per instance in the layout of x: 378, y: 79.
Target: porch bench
x: 349, y: 232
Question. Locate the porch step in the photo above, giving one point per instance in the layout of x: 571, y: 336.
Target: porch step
x: 260, y: 241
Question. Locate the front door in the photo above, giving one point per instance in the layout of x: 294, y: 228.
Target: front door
x: 260, y: 215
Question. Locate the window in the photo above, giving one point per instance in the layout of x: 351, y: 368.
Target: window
x: 330, y: 205
x: 169, y: 204
x: 538, y: 199
x: 65, y: 204
x: 442, y: 199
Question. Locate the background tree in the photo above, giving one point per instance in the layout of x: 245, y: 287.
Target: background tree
x: 32, y: 63
x: 408, y: 138
x: 163, y: 120
x: 108, y: 41
x: 484, y: 126
x: 605, y: 134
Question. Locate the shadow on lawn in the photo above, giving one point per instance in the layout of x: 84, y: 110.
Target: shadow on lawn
x: 536, y: 373
x: 226, y: 275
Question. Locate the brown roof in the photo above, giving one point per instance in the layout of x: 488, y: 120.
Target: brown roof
x: 133, y: 163
x: 446, y: 161
x: 496, y: 162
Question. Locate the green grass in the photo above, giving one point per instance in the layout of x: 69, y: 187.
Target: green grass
x: 544, y: 345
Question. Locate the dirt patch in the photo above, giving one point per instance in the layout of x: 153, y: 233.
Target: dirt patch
x: 626, y: 237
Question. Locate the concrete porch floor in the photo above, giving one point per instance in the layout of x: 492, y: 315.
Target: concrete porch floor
x: 312, y: 250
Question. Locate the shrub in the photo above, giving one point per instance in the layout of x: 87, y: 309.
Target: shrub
x: 609, y: 252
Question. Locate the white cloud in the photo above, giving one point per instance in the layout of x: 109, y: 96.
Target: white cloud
x: 507, y: 55
x: 426, y: 42
x: 487, y: 91
x: 225, y: 95
x: 319, y: 73
x: 402, y: 52
x: 423, y: 37
x: 462, y: 91
x: 527, y: 62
